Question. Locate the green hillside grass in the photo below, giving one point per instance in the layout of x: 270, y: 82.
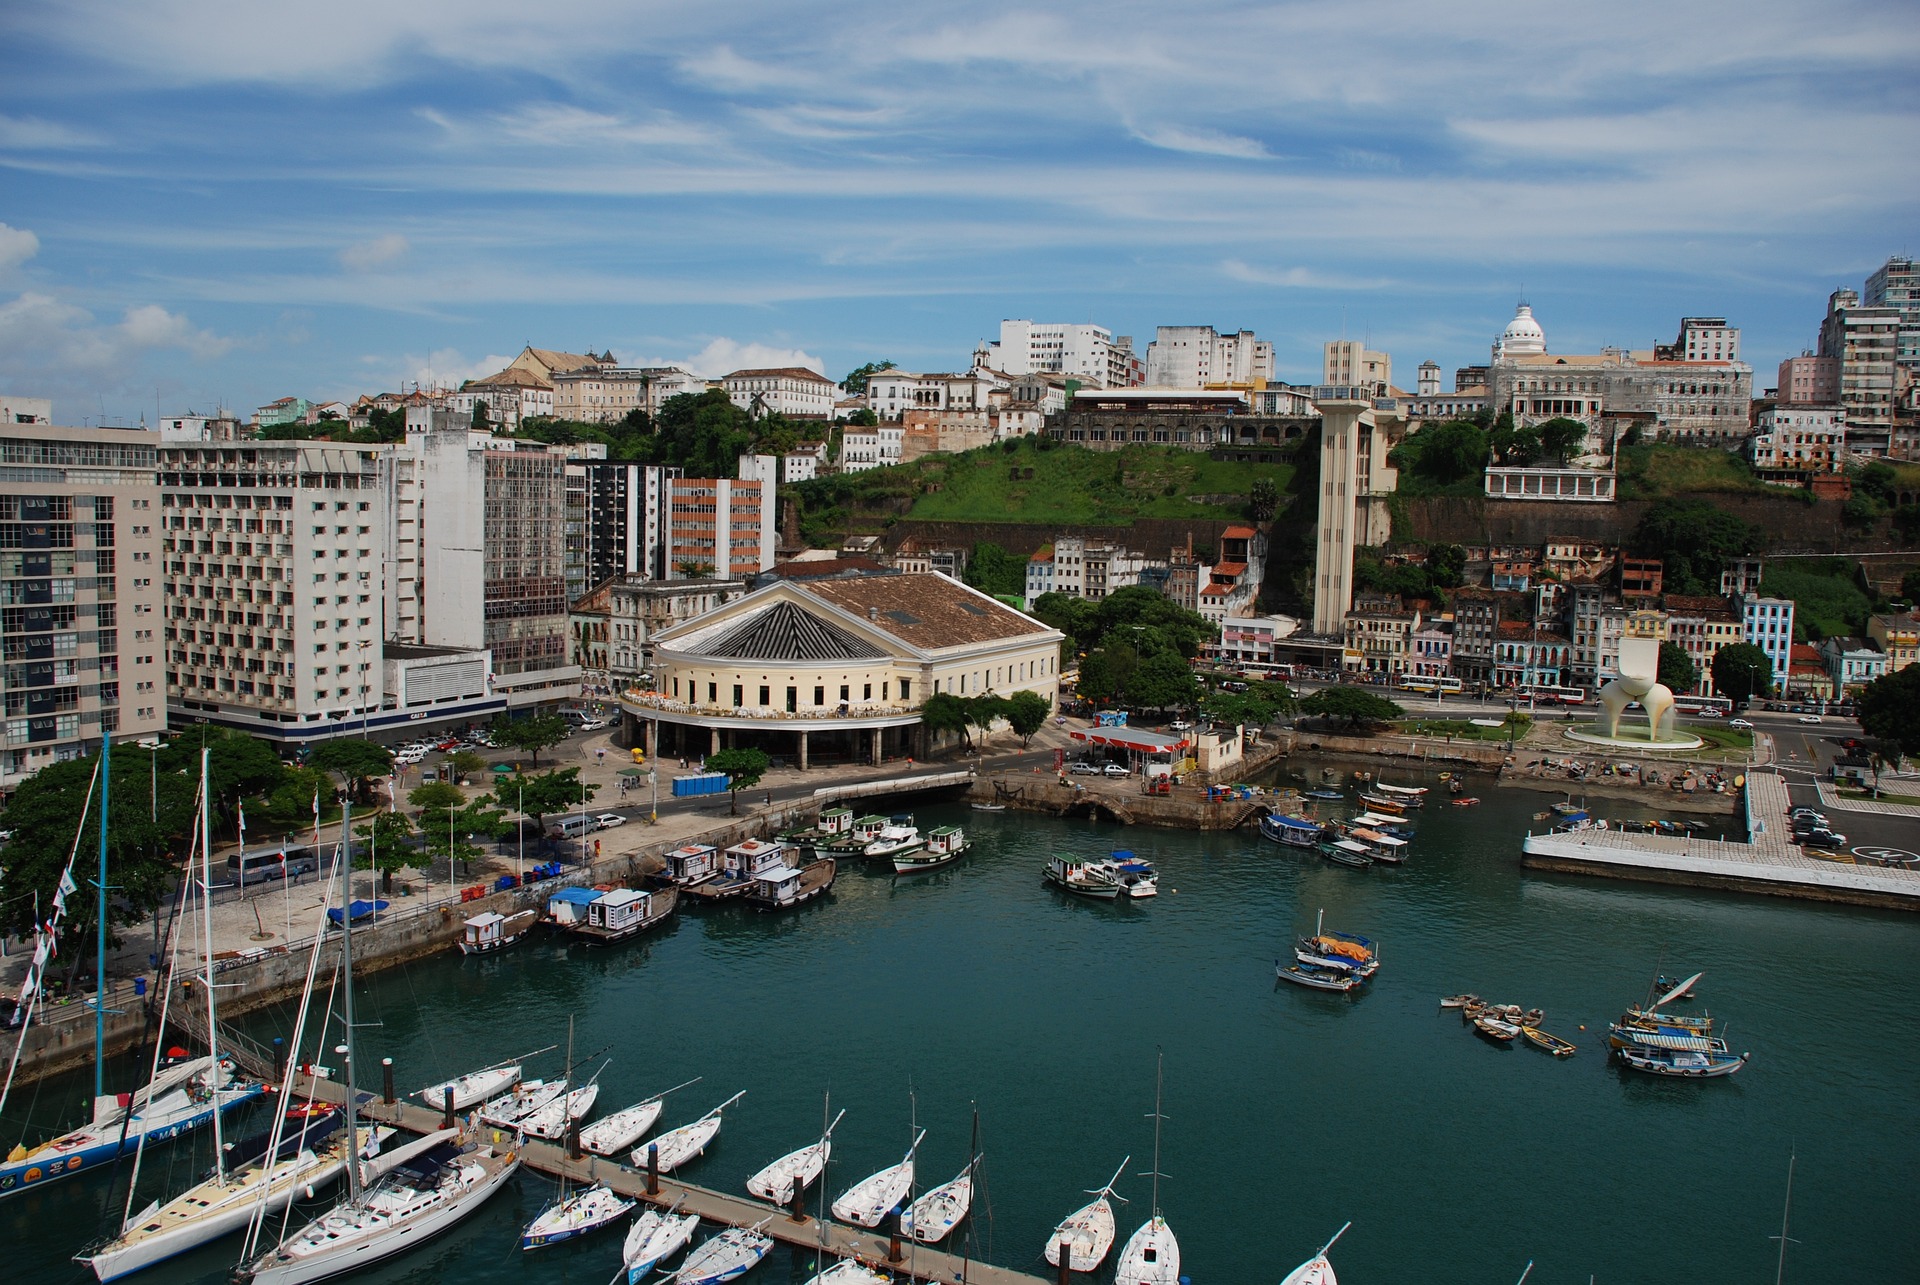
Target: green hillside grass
x: 1659, y: 469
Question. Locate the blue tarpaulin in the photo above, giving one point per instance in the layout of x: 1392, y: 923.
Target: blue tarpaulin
x: 360, y: 909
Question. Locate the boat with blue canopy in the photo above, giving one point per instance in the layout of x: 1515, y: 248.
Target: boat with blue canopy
x: 1290, y: 831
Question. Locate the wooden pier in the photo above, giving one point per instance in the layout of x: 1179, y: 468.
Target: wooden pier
x: 916, y: 1262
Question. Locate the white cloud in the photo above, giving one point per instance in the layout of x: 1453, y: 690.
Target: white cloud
x: 723, y: 356
x: 151, y: 326
x: 1299, y: 278
x: 17, y: 245
x: 1203, y: 142
x: 365, y: 256
x: 441, y: 368
x: 45, y: 342
x: 30, y: 133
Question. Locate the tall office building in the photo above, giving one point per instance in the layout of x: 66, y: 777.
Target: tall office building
x: 1865, y: 341
x: 1896, y: 284
x: 1350, y: 363
x: 1196, y: 356
x: 80, y: 582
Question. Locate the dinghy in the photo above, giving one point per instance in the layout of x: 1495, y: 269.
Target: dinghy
x: 678, y: 1146
x: 567, y: 1219
x: 656, y: 1236
x: 611, y: 1136
x: 795, y: 1171
x: 728, y: 1256
x: 471, y: 1088
x: 1087, y: 1232
x: 933, y: 1217
x: 871, y: 1199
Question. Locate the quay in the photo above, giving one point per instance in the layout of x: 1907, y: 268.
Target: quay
x: 1768, y: 862
x: 903, y: 1257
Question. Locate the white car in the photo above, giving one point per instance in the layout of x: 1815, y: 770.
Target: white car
x: 1742, y: 724
x: 1809, y: 718
x: 1116, y: 769
x: 608, y: 820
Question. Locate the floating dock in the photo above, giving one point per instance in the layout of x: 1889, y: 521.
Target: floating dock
x: 915, y: 1262
x: 1769, y: 862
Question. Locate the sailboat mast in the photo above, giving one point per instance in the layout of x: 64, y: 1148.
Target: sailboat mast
x: 100, y: 934
x: 1780, y: 1270
x: 1159, y: 1065
x: 346, y: 987
x: 206, y: 920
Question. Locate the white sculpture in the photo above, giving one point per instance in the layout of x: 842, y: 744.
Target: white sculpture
x: 1639, y: 681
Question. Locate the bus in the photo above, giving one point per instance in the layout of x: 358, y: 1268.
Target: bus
x: 276, y: 862
x: 1554, y: 693
x: 1704, y: 706
x: 1430, y: 686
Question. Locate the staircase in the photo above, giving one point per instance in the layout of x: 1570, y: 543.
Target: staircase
x: 256, y: 1059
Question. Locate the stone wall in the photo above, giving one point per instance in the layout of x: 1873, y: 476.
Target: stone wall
x: 1792, y: 525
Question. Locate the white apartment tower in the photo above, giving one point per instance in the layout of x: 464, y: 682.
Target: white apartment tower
x: 1896, y: 284
x: 1865, y: 341
x: 1349, y: 363
x: 1196, y: 356
x: 1084, y: 352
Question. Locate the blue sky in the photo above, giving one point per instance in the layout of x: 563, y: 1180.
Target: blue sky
x: 224, y: 201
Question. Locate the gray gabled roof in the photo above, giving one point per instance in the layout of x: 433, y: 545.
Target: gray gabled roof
x: 786, y: 632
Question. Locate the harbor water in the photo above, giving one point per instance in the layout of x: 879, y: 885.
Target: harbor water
x: 1288, y: 1112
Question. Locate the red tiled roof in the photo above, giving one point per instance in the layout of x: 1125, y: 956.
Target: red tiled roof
x: 1238, y: 533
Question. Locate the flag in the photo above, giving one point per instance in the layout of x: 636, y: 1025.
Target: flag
x: 242, y: 806
x: 66, y: 881
x: 316, y: 805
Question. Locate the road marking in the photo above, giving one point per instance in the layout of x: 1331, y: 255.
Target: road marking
x: 1887, y: 856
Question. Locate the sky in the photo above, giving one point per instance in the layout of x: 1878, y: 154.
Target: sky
x: 222, y: 202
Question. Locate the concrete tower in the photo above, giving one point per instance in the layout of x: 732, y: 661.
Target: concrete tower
x: 1429, y: 385
x: 1342, y: 424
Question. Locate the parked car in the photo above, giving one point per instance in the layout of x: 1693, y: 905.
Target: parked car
x: 1824, y: 838
x: 1809, y: 718
x: 1116, y: 769
x: 608, y: 820
x: 1180, y: 725
x: 449, y: 745
x: 1741, y: 724
x: 1083, y: 769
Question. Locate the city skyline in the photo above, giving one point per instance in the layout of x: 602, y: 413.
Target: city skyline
x: 214, y: 205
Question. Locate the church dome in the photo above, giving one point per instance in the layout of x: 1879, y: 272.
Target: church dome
x: 1523, y: 335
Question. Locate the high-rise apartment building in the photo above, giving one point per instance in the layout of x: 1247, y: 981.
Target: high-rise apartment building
x: 1197, y: 356
x: 1808, y: 380
x: 1350, y: 363
x: 1896, y: 284
x: 1084, y: 352
x: 1864, y: 341
x: 1702, y: 339
x: 649, y: 521
x: 80, y: 594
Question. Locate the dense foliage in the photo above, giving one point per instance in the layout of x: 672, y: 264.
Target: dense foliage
x: 1693, y: 540
x: 1741, y: 671
x: 744, y: 769
x: 1889, y: 709
x: 1354, y: 706
x: 1677, y: 669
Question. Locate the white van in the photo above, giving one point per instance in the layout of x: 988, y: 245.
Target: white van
x: 573, y: 827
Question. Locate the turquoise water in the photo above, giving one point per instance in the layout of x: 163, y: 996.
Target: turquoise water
x: 1288, y: 1112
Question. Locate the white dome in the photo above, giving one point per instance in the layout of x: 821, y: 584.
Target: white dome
x: 1523, y: 335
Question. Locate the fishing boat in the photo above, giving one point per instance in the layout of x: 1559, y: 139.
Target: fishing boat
x: 1328, y: 795
x: 1151, y: 1255
x: 795, y: 1171
x: 898, y: 836
x: 1338, y: 951
x: 1412, y: 796
x: 1652, y: 1014
x: 854, y: 840
x: 785, y: 887
x: 1087, y: 1232
x: 691, y: 864
x: 932, y: 1218
x: 870, y: 1200
x: 677, y: 1146
x: 656, y: 1236
x: 1496, y: 1030
x: 488, y: 932
x: 1316, y: 1270
x: 1346, y: 852
x: 1466, y: 803
x: 1320, y: 979
x: 728, y: 1256
x: 1135, y: 876
x: 1568, y: 807
x: 1576, y: 822
x: 1384, y: 803
x: 1459, y: 1001
x: 507, y: 1111
x: 1290, y: 831
x: 1689, y: 1064
x: 1383, y: 848
x: 474, y: 1086
x: 1548, y: 1043
x: 743, y: 866
x: 1395, y: 826
x: 833, y: 823
x: 412, y: 1202
x: 623, y: 913
x: 944, y: 845
x: 617, y: 1132
x: 1082, y: 878
x: 568, y: 1219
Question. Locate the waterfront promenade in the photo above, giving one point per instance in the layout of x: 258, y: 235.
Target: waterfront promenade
x: 1769, y: 862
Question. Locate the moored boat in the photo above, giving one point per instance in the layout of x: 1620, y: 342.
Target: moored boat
x: 1151, y: 1255
x: 854, y: 840
x: 485, y: 933
x: 615, y: 1133
x: 1548, y: 1043
x: 1338, y: 951
x: 690, y: 864
x: 932, y: 1218
x: 1715, y: 1061
x: 1412, y: 796
x: 742, y: 867
x: 1496, y: 1030
x: 899, y: 835
x: 795, y: 1171
x: 1466, y: 803
x: 506, y: 1111
x: 1320, y: 979
x: 1459, y: 1001
x: 1087, y: 1233
x: 677, y: 1146
x: 1316, y: 1270
x: 553, y: 1119
x: 1346, y: 852
x: 870, y: 1200
x: 728, y: 1256
x: 1134, y: 876
x: 1326, y: 795
x: 1383, y: 848
x: 1383, y: 802
x: 784, y: 887
x: 568, y: 1219
x: 474, y: 1086
x: 944, y: 845
x: 1080, y: 878
x: 1290, y: 831
x: 656, y: 1236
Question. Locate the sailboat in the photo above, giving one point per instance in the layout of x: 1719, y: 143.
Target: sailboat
x: 571, y: 1217
x: 1317, y: 1270
x: 1087, y: 1232
x: 430, y: 1191
x: 474, y: 1086
x: 656, y: 1236
x: 553, y: 1119
x: 933, y: 1217
x: 871, y: 1199
x: 508, y: 1110
x: 626, y: 1126
x: 179, y: 1098
x: 850, y: 1271
x: 253, y: 1177
x: 795, y: 1171
x: 728, y: 1256
x: 677, y: 1146
x: 1151, y: 1255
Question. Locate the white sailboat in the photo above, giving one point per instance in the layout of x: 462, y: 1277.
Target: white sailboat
x: 728, y: 1256
x: 932, y: 1218
x: 1151, y: 1255
x: 850, y: 1271
x: 473, y: 1087
x: 617, y: 1132
x: 507, y: 1111
x: 414, y: 1201
x: 1317, y: 1270
x: 552, y: 1120
x: 575, y: 1216
x: 656, y: 1236
x: 1087, y: 1232
x: 795, y: 1171
x: 871, y: 1199
x: 677, y: 1146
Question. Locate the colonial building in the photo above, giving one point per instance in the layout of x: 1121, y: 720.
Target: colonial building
x: 838, y: 668
x: 1852, y: 663
x: 1767, y: 623
x: 1793, y: 443
x: 613, y: 622
x: 1898, y: 635
x: 793, y: 391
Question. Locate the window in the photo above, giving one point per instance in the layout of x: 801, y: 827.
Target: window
x: 819, y: 696
x: 739, y: 695
x: 906, y: 689
x: 866, y: 692
x: 766, y: 696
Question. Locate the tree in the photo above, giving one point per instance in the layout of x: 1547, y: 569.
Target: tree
x: 862, y: 418
x: 1351, y: 705
x: 991, y: 569
x: 480, y: 423
x: 984, y: 711
x: 466, y: 762
x: 1741, y: 671
x: 1883, y: 755
x: 744, y: 768
x: 384, y: 847
x: 1162, y: 681
x: 1027, y: 713
x: 703, y: 433
x: 856, y: 381
x: 1889, y: 710
x: 1693, y: 539
x: 289, y: 805
x: 238, y: 766
x: 546, y: 795
x: 1446, y: 565
x: 447, y: 832
x: 1264, y: 499
x: 945, y: 714
x: 1677, y: 671
x: 435, y: 797
x: 354, y: 761
x: 1444, y: 453
x: 1910, y: 586
x: 1562, y: 437
x: 1515, y: 445
x: 532, y: 733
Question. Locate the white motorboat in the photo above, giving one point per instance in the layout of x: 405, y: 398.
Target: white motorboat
x: 795, y: 1171
x: 677, y: 1146
x: 508, y: 1111
x: 656, y: 1236
x: 551, y: 1120
x: 619, y: 1131
x: 871, y: 1199
x: 850, y: 1271
x: 728, y: 1256
x: 1087, y: 1232
x: 1412, y: 796
x: 575, y: 1216
x: 473, y: 1087
x: 932, y: 1218
x: 1134, y: 876
x: 1151, y: 1255
x: 895, y: 839
x: 1317, y: 1270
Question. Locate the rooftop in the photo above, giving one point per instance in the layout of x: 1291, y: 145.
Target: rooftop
x: 926, y: 610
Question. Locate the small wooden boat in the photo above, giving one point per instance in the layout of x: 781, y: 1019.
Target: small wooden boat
x: 1383, y: 803
x: 1459, y: 1001
x: 486, y: 933
x: 1495, y: 1030
x: 475, y: 1086
x: 1290, y: 831
x: 1346, y: 852
x: 1547, y: 1043
x: 591, y: 1210
x: 728, y: 1256
x: 1329, y: 795
x: 944, y: 845
x: 1457, y: 785
x: 784, y: 887
x: 678, y: 1146
x: 1412, y: 796
x: 1081, y: 879
x: 1466, y: 803
x: 1319, y: 979
x: 1332, y: 951
x: 656, y: 1236
x: 1087, y: 1232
